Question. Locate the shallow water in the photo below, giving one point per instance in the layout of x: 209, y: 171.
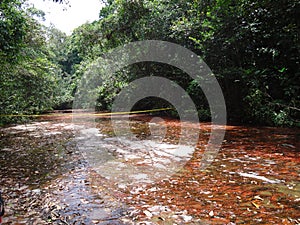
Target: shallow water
x: 86, y: 175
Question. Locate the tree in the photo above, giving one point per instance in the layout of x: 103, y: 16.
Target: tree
x: 29, y: 80
x: 251, y: 46
x: 255, y: 53
x: 13, y: 28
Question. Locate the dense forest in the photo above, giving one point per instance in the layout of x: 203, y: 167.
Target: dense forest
x: 251, y: 46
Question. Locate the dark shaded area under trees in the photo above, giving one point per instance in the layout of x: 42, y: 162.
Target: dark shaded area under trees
x: 251, y: 46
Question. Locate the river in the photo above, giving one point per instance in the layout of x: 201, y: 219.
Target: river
x: 55, y: 171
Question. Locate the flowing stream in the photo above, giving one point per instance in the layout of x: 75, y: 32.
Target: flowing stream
x: 56, y: 172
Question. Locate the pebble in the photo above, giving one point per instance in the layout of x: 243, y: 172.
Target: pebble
x: 147, y: 213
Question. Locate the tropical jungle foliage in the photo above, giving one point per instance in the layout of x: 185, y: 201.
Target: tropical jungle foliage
x: 251, y: 46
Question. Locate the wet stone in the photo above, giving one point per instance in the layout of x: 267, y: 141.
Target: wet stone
x: 265, y: 193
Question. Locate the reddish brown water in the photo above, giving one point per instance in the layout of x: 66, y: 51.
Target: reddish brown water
x: 253, y: 180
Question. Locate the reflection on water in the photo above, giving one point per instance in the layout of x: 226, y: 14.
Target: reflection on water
x: 146, y: 177
x: 144, y: 157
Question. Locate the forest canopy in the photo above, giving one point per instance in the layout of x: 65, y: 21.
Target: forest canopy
x: 251, y: 46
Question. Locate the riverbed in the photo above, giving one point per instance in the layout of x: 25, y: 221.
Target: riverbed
x: 55, y: 171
